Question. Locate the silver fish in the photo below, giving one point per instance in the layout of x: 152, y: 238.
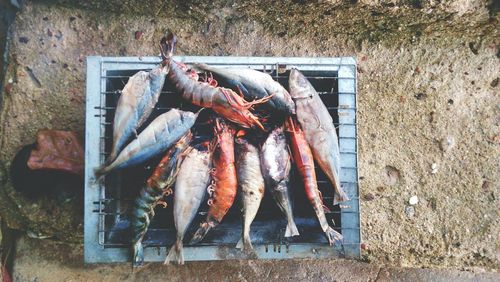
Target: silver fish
x: 190, y: 189
x: 137, y: 101
x: 162, y: 133
x: 319, y: 130
x: 254, y: 85
x: 275, y: 165
x: 251, y: 186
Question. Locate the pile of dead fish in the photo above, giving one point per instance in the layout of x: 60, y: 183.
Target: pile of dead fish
x: 233, y: 161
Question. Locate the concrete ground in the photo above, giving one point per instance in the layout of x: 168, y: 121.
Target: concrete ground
x: 45, y: 260
x: 428, y: 126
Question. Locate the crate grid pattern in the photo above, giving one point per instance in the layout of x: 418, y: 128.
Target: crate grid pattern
x: 95, y: 245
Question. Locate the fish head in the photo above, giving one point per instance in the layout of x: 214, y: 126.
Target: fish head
x: 189, y: 117
x: 283, y: 101
x: 300, y: 87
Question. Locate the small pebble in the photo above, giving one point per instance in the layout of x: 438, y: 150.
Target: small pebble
x: 494, y: 82
x: 420, y: 96
x: 434, y: 168
x: 413, y: 200
x: 409, y: 211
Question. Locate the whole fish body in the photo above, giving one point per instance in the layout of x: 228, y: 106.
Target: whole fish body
x: 319, y: 131
x: 162, y: 133
x: 254, y: 84
x: 150, y: 196
x: 190, y: 189
x: 137, y: 101
x: 225, y: 184
x: 304, y: 162
x: 276, y: 166
x: 251, y: 185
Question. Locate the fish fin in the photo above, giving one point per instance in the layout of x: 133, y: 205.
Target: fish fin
x: 245, y: 244
x: 239, y: 245
x: 99, y: 172
x: 176, y: 254
x: 333, y: 236
x: 201, y: 233
x: 291, y: 229
x: 138, y: 253
x: 340, y: 197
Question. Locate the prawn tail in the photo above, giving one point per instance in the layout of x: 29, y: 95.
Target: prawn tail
x: 333, y: 236
x: 201, y: 233
x: 138, y: 254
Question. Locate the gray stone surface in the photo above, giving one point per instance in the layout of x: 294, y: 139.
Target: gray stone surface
x: 417, y: 85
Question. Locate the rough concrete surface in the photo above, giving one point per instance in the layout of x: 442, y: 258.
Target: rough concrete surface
x: 38, y: 260
x: 428, y: 112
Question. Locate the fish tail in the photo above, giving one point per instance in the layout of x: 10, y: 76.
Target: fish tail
x: 291, y: 229
x: 201, y: 233
x: 333, y: 236
x: 176, y: 254
x: 138, y: 253
x: 340, y: 196
x: 245, y: 244
x: 99, y: 172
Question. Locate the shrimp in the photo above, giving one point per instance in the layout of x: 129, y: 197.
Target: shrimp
x: 225, y: 186
x: 303, y: 159
x: 223, y: 101
x: 157, y: 186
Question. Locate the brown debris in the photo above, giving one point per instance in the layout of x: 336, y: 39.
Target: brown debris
x: 138, y: 35
x: 57, y: 150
